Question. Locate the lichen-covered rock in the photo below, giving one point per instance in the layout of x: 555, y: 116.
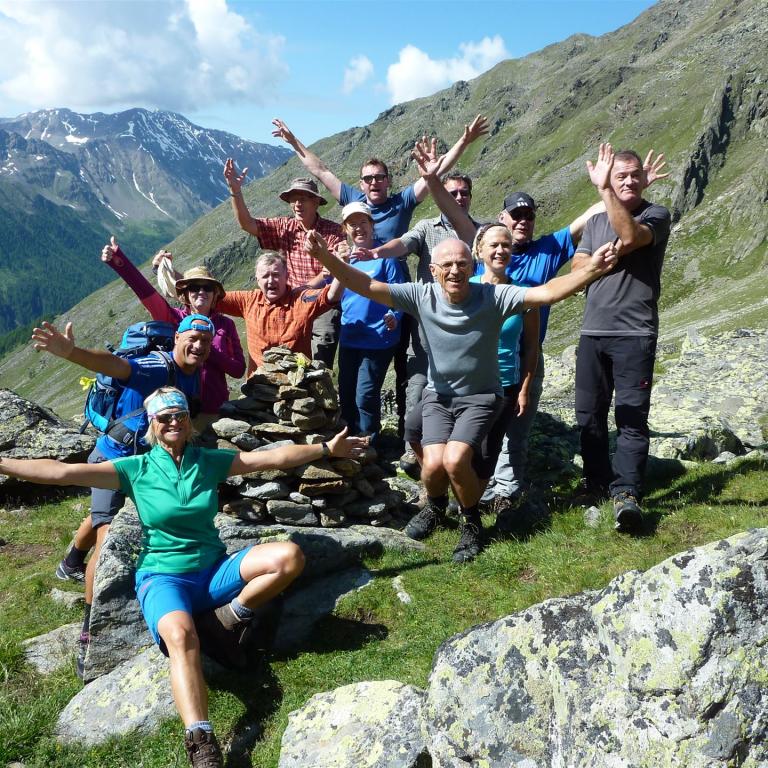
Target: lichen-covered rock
x: 28, y: 431
x: 364, y: 725
x: 665, y: 668
x: 46, y: 653
x: 134, y: 696
x: 276, y: 489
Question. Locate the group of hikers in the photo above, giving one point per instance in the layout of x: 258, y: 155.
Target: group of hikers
x: 465, y: 338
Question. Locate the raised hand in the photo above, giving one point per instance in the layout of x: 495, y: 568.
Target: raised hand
x: 652, y: 168
x: 108, y: 251
x: 234, y: 180
x: 390, y: 321
x: 282, y: 131
x: 315, y: 245
x: 600, y: 172
x: 477, y: 128
x: 159, y: 256
x: 425, y: 154
x: 48, y: 339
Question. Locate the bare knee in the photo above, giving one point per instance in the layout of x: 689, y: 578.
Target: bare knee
x: 291, y: 561
x: 456, y: 460
x: 179, y: 635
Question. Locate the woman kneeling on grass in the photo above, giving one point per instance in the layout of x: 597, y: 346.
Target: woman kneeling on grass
x: 183, y: 570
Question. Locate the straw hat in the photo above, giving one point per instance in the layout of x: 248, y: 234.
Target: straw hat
x: 199, y: 275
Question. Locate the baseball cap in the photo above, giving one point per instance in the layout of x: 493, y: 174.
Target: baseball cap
x: 519, y: 200
x: 196, y: 323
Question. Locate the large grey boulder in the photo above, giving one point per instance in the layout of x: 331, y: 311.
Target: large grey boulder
x: 29, y: 431
x: 374, y: 724
x: 55, y: 649
x: 664, y: 667
x: 118, y: 630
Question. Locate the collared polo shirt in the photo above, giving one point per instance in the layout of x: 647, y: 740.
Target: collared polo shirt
x: 287, y: 322
x: 287, y: 235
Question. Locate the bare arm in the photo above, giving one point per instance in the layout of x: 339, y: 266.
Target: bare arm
x: 631, y: 234
x: 235, y: 183
x: 288, y: 456
x: 52, y: 472
x: 394, y: 249
x: 308, y: 159
x: 558, y: 288
x: 48, y: 339
x: 577, y: 225
x: 529, y: 361
x: 348, y: 276
x: 477, y: 128
x: 430, y: 166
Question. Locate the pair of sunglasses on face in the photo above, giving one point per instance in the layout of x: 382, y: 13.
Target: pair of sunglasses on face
x: 369, y: 178
x: 180, y: 417
x: 199, y: 288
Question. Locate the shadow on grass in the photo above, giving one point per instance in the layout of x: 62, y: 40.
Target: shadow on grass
x: 334, y: 633
x: 707, y: 488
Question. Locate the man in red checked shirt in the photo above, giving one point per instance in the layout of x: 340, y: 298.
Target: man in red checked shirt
x: 286, y: 234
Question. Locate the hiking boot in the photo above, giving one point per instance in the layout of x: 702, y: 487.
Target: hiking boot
x: 629, y: 515
x: 82, y: 651
x: 68, y: 572
x: 590, y: 494
x: 202, y: 749
x: 506, y: 509
x: 223, y: 636
x: 423, y: 523
x: 470, y: 543
x: 410, y: 465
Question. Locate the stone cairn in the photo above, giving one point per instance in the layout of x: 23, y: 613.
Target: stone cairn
x: 292, y: 400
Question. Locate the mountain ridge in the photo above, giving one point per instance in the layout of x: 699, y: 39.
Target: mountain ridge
x: 687, y: 78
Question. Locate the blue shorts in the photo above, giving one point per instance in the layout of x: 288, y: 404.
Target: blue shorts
x: 193, y: 592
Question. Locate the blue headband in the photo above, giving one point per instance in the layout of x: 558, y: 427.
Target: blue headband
x: 165, y: 400
x: 196, y: 323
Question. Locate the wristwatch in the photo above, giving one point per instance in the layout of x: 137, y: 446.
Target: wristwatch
x: 326, y: 451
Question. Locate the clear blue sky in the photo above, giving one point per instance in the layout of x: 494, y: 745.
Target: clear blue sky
x: 233, y: 64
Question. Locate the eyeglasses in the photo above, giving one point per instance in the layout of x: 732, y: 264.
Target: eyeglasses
x: 460, y: 192
x: 461, y: 266
x: 369, y: 178
x: 200, y: 287
x: 180, y: 417
x: 522, y: 214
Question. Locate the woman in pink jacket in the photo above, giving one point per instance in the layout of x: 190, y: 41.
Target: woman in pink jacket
x: 199, y: 291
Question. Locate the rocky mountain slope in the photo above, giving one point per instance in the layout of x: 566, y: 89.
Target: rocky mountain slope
x: 137, y: 164
x: 67, y: 180
x: 687, y: 77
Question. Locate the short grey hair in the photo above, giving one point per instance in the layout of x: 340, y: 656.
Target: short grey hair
x: 267, y: 258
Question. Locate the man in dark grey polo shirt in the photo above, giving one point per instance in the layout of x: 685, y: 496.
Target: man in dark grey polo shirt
x: 460, y: 323
x: 617, y: 348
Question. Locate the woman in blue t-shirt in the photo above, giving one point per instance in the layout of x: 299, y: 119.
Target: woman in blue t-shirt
x: 491, y: 250
x: 190, y: 591
x: 369, y: 331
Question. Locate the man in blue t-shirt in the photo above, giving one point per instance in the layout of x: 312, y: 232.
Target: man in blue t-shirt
x: 140, y: 377
x: 391, y: 213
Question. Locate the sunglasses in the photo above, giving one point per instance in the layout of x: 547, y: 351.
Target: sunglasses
x: 522, y: 214
x: 460, y: 192
x: 168, y: 418
x: 199, y: 288
x: 369, y: 178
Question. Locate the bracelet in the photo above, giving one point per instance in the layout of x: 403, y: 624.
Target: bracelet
x: 326, y: 451
x: 236, y: 194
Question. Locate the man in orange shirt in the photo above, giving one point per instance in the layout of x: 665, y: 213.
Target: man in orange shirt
x: 278, y: 315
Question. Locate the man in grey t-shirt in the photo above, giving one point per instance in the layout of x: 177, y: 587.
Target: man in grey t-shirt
x: 617, y: 347
x: 460, y: 323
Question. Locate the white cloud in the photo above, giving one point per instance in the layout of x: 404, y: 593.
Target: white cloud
x: 359, y: 69
x: 415, y: 74
x: 181, y: 54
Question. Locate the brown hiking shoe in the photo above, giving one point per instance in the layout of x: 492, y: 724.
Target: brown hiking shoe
x: 202, y: 749
x: 223, y: 636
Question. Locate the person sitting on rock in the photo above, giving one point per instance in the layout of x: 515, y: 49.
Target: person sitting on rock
x: 278, y: 314
x: 369, y: 331
x: 139, y: 376
x: 185, y: 581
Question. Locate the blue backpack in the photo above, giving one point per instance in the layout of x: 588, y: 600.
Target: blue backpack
x: 139, y: 340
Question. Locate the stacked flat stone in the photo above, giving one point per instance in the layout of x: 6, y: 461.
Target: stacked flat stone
x: 291, y: 400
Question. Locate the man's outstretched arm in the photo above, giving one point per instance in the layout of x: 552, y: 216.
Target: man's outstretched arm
x: 348, y: 276
x: 48, y: 339
x: 235, y: 183
x: 477, y: 128
x: 309, y: 159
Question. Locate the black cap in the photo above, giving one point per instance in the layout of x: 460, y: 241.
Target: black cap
x: 518, y: 200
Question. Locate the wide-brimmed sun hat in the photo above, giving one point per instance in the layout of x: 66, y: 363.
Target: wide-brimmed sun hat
x: 302, y: 185
x: 199, y: 275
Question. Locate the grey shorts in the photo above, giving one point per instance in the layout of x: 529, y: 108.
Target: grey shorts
x: 105, y: 503
x: 466, y: 419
